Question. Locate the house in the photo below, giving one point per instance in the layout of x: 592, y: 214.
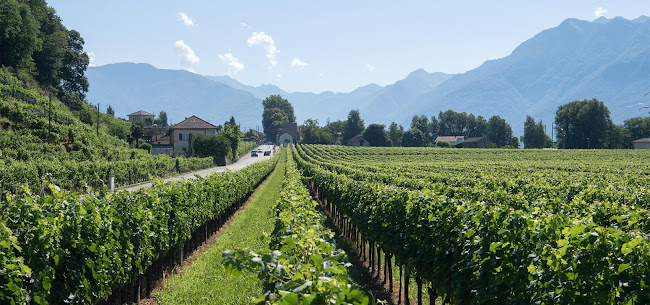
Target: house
x: 140, y: 116
x: 454, y: 141
x: 288, y: 134
x: 476, y: 142
x: 180, y: 133
x: 357, y: 141
x: 641, y: 143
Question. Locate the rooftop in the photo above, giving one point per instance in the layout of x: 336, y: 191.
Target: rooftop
x: 194, y: 122
x: 141, y: 112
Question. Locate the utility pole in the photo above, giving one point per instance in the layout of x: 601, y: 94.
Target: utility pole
x: 98, y: 119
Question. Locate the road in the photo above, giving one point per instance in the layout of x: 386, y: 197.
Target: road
x: 246, y: 160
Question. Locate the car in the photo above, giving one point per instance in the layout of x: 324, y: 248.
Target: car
x: 254, y: 153
x: 267, y: 152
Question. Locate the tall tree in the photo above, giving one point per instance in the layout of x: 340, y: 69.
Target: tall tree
x: 476, y: 126
x: 434, y: 128
x: 499, y: 131
x: 413, y: 138
x: 452, y: 123
x: 422, y: 123
x: 110, y: 111
x: 277, y: 111
x: 314, y: 134
x: 354, y: 125
x: 162, y: 118
x: 395, y: 133
x: 534, y: 136
x: 54, y: 39
x: 18, y: 34
x: 583, y: 124
x: 137, y: 131
x: 376, y: 135
x: 75, y: 62
x: 233, y: 134
x: 335, y: 129
x: 637, y: 128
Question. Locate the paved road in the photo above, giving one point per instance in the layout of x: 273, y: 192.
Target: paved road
x: 246, y: 160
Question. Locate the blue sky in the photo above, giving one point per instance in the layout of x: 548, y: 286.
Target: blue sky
x: 319, y: 45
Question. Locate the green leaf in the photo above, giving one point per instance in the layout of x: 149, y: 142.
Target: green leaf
x: 623, y: 267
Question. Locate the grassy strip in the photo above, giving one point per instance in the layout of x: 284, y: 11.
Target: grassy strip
x: 207, y: 281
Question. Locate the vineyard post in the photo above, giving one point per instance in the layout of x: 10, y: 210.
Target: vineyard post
x: 181, y: 248
x: 433, y: 295
x: 137, y: 289
x: 407, y: 280
x: 49, y: 120
x: 418, y: 280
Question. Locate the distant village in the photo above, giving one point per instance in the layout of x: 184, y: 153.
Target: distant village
x: 175, y: 140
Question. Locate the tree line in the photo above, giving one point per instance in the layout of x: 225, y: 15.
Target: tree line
x: 578, y: 124
x: 423, y: 130
x: 585, y: 124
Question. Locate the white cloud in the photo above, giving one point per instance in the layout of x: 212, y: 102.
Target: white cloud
x: 370, y: 67
x: 188, y: 57
x: 91, y: 58
x: 600, y: 12
x: 298, y: 64
x: 234, y: 65
x: 266, y: 42
x: 186, y: 19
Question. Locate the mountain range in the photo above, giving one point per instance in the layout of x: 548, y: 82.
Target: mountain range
x: 608, y: 59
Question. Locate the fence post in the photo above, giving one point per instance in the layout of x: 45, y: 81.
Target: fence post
x: 111, y: 183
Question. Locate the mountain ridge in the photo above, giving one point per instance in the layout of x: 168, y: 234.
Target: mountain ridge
x: 577, y: 59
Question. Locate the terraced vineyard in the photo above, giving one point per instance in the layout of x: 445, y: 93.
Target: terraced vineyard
x: 497, y: 226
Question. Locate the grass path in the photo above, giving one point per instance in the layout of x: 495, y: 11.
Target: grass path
x: 206, y: 281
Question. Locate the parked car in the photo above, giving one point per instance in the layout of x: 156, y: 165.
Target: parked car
x: 267, y: 152
x: 254, y: 153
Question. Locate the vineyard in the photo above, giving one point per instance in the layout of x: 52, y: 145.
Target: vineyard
x: 306, y: 267
x: 495, y: 226
x: 110, y: 247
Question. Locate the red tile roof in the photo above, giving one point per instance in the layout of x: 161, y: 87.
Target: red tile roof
x: 141, y: 112
x: 194, y: 122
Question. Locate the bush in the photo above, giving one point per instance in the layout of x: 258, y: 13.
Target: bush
x: 443, y: 144
x: 145, y: 146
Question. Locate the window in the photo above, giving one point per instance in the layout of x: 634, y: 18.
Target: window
x: 180, y: 136
x: 183, y: 136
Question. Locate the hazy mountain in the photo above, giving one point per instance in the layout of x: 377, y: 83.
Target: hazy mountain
x: 608, y: 59
x: 130, y: 87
